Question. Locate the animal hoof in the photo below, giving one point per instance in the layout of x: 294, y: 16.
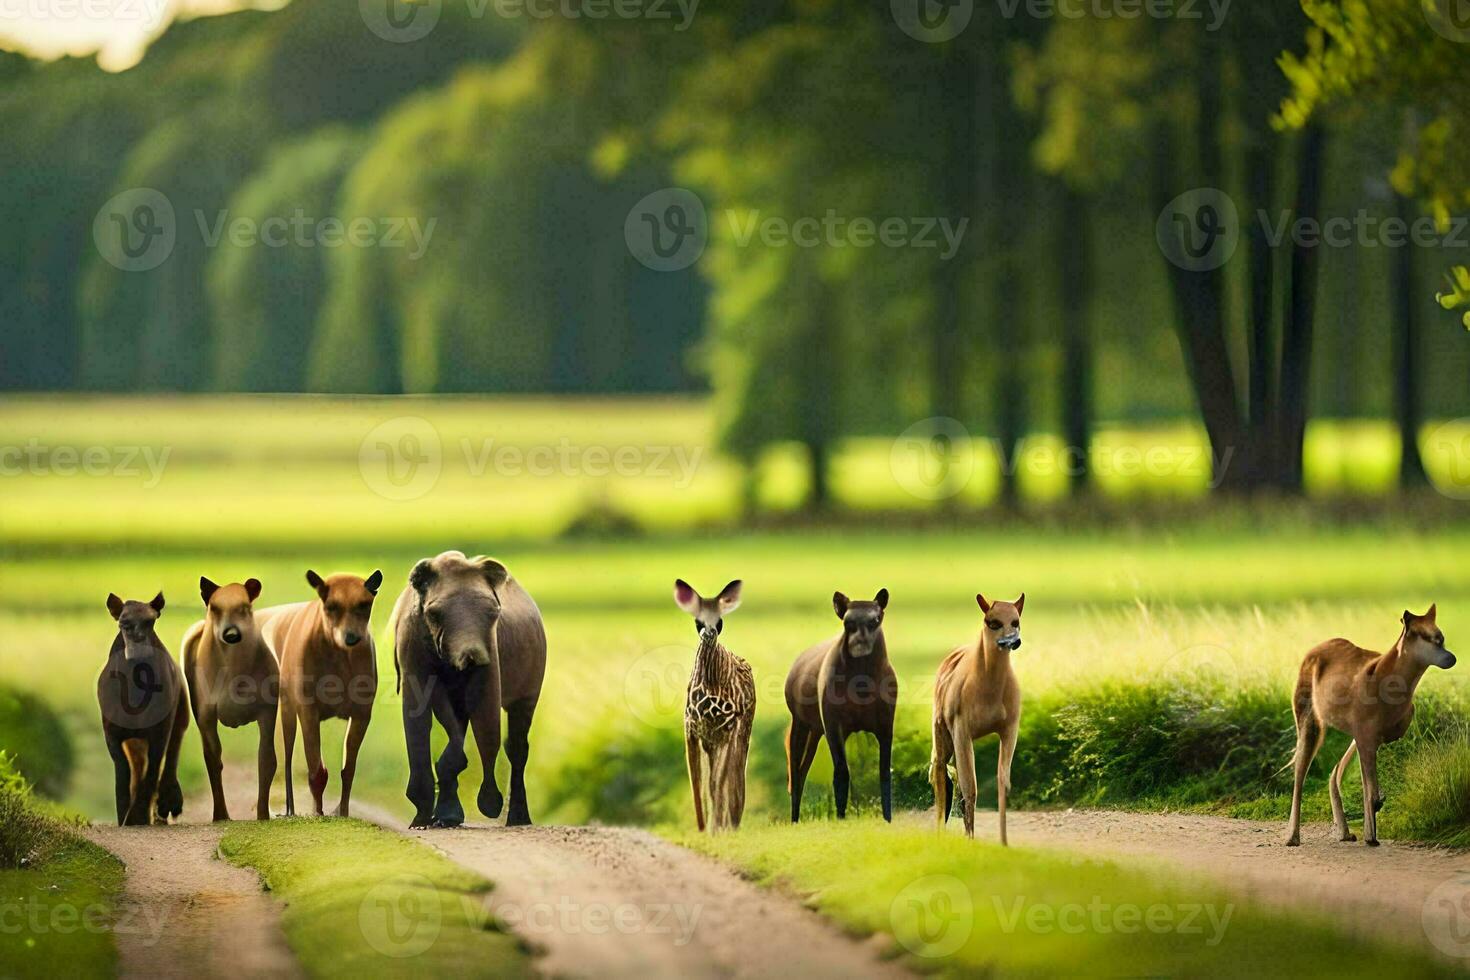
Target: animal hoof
x: 1349, y: 838
x: 445, y: 824
x: 1293, y: 842
x: 518, y: 820
x: 490, y: 801
x: 1371, y: 842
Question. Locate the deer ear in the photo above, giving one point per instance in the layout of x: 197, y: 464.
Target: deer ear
x: 881, y: 598
x: 1021, y: 602
x: 984, y: 606
x: 1406, y: 617
x: 252, y: 588
x: 685, y: 597
x: 494, y: 572
x: 374, y: 582
x: 207, y: 589
x: 1430, y: 614
x: 315, y: 581
x: 157, y: 603
x: 839, y: 603
x: 114, y: 605
x: 729, y: 598
x: 422, y: 576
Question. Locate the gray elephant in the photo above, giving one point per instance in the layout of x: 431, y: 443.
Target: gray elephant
x: 468, y: 642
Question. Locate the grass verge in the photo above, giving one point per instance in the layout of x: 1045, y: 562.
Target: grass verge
x: 57, y: 892
x: 969, y: 908
x: 362, y: 901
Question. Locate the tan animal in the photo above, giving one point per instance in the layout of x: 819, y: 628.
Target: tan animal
x: 835, y: 688
x: 976, y: 694
x: 233, y: 681
x: 719, y: 709
x: 1368, y: 695
x: 329, y: 669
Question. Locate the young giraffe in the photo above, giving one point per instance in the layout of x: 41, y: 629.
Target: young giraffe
x: 718, y: 710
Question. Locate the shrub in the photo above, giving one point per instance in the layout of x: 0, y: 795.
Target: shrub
x: 36, y: 740
x: 25, y: 833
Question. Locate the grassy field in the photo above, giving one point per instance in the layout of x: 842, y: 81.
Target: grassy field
x: 364, y: 901
x: 1167, y: 651
x: 965, y: 908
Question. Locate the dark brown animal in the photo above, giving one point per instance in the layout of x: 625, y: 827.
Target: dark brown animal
x: 329, y: 669
x: 840, y: 686
x: 976, y: 694
x: 1368, y: 695
x: 145, y: 712
x: 468, y: 641
x: 233, y: 681
x: 719, y: 710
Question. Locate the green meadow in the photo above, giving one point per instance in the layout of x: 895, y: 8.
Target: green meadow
x: 1158, y: 658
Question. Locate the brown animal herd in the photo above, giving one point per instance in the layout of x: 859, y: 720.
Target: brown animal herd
x: 469, y: 643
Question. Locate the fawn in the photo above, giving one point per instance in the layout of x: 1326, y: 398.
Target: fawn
x: 976, y: 694
x: 1368, y: 695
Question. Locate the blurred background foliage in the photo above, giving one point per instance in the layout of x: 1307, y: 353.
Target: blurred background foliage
x: 522, y: 143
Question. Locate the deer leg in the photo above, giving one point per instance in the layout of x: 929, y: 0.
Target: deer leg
x: 451, y: 762
x: 1339, y: 815
x: 885, y: 770
x: 691, y: 752
x: 939, y: 774
x: 841, y: 778
x: 265, y: 758
x: 418, y: 723
x: 316, y: 772
x: 796, y: 737
x: 518, y: 750
x: 964, y: 764
x: 1308, y: 740
x: 288, y: 745
x: 715, y: 767
x: 1003, y: 774
x: 213, y: 763
x: 357, y: 726
x: 1368, y: 764
x: 122, y: 778
x: 170, y: 794
x: 735, y: 761
x: 140, y: 811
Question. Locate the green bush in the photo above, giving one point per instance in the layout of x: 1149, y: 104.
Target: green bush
x: 36, y: 740
x: 25, y: 833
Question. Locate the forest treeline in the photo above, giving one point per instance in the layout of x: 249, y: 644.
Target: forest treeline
x: 1045, y: 159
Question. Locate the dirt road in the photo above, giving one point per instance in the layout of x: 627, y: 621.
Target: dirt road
x: 618, y: 902
x: 186, y: 913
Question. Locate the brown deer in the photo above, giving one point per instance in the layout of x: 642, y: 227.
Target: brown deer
x: 719, y: 710
x: 145, y: 712
x: 976, y: 694
x: 1368, y: 695
x: 233, y: 681
x: 840, y: 686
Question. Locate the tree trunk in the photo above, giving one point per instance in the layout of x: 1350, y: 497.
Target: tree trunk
x: 1010, y: 331
x: 1296, y: 335
x: 1074, y: 255
x: 1261, y: 380
x: 1406, y: 361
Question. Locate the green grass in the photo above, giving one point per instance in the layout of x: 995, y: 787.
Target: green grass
x: 57, y: 892
x: 972, y: 908
x: 361, y: 901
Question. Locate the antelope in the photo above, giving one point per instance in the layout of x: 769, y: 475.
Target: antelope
x: 719, y: 710
x: 976, y: 694
x: 837, y: 687
x: 1368, y: 695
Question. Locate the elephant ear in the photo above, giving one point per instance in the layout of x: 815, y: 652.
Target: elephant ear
x: 494, y: 572
x: 422, y: 576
